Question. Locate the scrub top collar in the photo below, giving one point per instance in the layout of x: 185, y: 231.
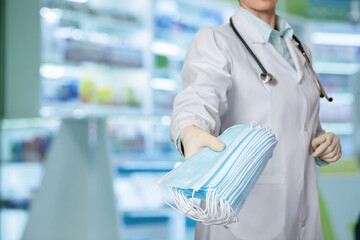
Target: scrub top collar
x: 268, y: 33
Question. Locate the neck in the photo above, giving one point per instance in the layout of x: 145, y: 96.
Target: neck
x: 267, y: 15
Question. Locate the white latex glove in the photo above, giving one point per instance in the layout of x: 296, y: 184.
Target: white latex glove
x: 327, y: 147
x: 194, y: 138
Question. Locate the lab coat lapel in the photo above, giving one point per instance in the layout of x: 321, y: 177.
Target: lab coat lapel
x: 297, y: 57
x: 279, y: 58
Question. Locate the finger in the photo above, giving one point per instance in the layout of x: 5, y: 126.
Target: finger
x: 191, y: 150
x: 320, y: 149
x: 205, y: 140
x: 317, y: 141
x: 337, y: 156
x: 332, y: 148
x: 214, y: 143
x: 340, y: 153
x: 330, y: 155
x: 192, y: 147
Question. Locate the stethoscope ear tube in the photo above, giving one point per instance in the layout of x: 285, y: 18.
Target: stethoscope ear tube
x: 315, y: 77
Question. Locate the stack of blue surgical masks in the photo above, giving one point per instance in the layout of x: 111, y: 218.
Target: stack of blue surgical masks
x: 222, y: 179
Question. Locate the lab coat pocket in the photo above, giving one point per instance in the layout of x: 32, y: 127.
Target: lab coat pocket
x: 263, y: 214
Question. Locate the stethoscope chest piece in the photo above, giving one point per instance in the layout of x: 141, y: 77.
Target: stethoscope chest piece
x: 267, y: 78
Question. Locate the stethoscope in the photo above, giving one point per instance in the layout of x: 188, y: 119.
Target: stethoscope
x: 268, y: 78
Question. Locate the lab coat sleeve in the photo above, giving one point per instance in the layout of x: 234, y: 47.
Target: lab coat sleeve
x: 319, y: 130
x: 206, y: 79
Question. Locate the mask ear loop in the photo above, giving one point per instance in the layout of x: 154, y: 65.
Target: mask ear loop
x: 183, y: 204
x: 211, y: 214
x: 171, y: 189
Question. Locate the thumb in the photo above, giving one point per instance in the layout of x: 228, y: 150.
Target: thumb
x: 214, y: 143
x: 317, y: 141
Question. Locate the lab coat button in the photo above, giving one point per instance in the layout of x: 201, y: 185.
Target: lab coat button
x: 303, y: 224
x: 305, y: 128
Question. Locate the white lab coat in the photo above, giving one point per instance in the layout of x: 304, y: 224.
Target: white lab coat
x: 221, y: 88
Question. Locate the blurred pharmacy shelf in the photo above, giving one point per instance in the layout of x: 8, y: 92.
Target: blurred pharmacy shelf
x: 96, y: 58
x: 111, y: 59
x: 336, y: 56
x: 338, y: 66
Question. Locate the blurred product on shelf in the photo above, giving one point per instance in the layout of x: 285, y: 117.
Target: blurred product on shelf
x: 336, y: 83
x: 161, y: 137
x: 87, y: 90
x: 130, y: 99
x: 62, y: 91
x: 30, y: 150
x: 126, y: 139
x: 26, y: 140
x: 184, y: 17
x: 19, y: 183
x: 339, y: 53
x: 139, y: 139
x: 338, y: 112
x: 162, y: 101
x: 91, y: 87
x: 81, y: 51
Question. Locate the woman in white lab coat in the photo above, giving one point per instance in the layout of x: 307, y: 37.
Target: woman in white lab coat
x: 222, y: 88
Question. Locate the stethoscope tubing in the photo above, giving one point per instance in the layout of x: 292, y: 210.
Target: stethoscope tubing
x: 265, y: 76
x: 314, y: 75
x: 268, y: 78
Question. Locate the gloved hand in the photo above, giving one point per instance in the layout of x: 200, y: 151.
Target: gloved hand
x: 193, y: 138
x: 327, y: 147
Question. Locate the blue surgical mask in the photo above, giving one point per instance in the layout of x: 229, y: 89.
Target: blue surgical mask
x: 222, y: 179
